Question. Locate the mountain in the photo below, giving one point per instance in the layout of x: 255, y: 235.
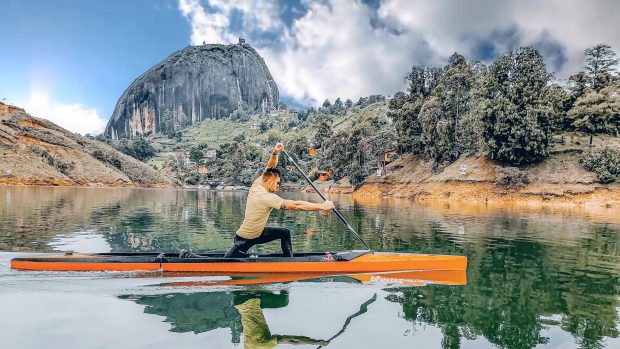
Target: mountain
x: 36, y: 151
x: 192, y: 85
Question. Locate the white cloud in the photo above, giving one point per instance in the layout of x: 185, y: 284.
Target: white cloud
x: 333, y: 50
x: 73, y: 117
x: 574, y: 24
x: 208, y: 27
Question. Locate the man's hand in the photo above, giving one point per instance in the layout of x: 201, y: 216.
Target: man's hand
x: 326, y: 208
x: 278, y: 148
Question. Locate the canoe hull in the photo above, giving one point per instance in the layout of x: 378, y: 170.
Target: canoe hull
x: 336, y: 263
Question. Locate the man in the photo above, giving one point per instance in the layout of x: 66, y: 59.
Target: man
x: 261, y: 200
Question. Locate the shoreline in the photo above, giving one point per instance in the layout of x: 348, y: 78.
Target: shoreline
x: 457, y: 192
x: 57, y: 182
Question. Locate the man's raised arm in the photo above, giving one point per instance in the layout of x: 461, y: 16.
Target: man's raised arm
x: 273, y: 159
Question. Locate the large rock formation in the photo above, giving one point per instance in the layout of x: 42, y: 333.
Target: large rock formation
x: 191, y: 85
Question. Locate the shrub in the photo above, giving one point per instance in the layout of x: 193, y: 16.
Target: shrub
x: 99, y: 155
x: 604, y: 161
x: 274, y: 137
x: 512, y: 177
x: 193, y: 178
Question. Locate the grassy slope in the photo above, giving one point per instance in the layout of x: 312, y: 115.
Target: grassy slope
x: 36, y: 151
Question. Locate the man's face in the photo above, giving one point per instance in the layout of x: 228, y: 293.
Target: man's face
x: 273, y: 184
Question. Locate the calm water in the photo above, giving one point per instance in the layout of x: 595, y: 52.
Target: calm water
x: 535, y: 278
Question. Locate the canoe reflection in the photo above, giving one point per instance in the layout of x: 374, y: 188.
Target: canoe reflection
x: 406, y: 278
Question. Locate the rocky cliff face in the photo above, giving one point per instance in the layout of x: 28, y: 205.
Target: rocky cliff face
x: 191, y: 85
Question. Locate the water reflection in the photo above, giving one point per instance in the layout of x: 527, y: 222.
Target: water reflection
x: 239, y: 311
x: 533, y: 276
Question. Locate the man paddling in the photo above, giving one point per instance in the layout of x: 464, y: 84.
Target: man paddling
x: 261, y: 200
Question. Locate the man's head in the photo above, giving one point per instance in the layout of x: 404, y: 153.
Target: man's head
x: 271, y: 179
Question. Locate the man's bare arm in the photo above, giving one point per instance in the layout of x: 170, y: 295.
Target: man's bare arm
x: 306, y: 206
x: 273, y: 159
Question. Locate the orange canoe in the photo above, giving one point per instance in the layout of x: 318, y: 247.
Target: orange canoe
x: 324, y: 262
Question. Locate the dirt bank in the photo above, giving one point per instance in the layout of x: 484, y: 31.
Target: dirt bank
x: 558, y: 181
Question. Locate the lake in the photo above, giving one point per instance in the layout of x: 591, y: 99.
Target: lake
x: 536, y: 277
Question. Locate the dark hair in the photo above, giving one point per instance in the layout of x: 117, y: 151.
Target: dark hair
x: 271, y: 172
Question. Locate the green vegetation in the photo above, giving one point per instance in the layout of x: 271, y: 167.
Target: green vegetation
x: 508, y: 110
x: 139, y: 148
x: 511, y: 111
x: 604, y: 161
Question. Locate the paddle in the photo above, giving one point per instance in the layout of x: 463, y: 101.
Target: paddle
x: 323, y: 197
x: 363, y: 309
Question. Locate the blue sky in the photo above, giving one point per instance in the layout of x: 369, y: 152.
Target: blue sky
x: 70, y: 60
x: 83, y: 52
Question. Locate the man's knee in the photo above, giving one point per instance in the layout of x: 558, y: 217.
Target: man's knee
x: 286, y: 233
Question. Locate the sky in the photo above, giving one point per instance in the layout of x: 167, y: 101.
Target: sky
x: 70, y: 60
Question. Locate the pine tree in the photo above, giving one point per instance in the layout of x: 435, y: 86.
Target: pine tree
x: 338, y: 106
x: 403, y: 110
x: 324, y: 130
x: 516, y: 117
x: 601, y: 61
x: 453, y: 92
x: 597, y: 112
x: 423, y: 80
x: 560, y: 101
x: 326, y: 107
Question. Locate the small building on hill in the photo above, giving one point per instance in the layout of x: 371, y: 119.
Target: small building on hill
x: 324, y: 175
x: 390, y: 156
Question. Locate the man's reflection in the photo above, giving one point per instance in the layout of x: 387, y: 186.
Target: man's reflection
x: 256, y: 332
x: 203, y: 312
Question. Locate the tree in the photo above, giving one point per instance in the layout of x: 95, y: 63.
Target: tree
x: 336, y: 153
x: 516, y: 117
x: 196, y: 154
x: 348, y: 103
x: 237, y: 161
x: 423, y: 80
x: 560, y: 101
x: 578, y: 84
x: 140, y: 148
x: 437, y: 131
x: 453, y: 93
x: 469, y: 130
x: 601, y: 61
x: 597, y: 112
x: 338, y: 106
x: 298, y: 145
x: 404, y: 109
x: 324, y: 130
x: 264, y: 126
x: 327, y: 106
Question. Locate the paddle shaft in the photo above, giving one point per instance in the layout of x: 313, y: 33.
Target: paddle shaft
x: 324, y: 199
